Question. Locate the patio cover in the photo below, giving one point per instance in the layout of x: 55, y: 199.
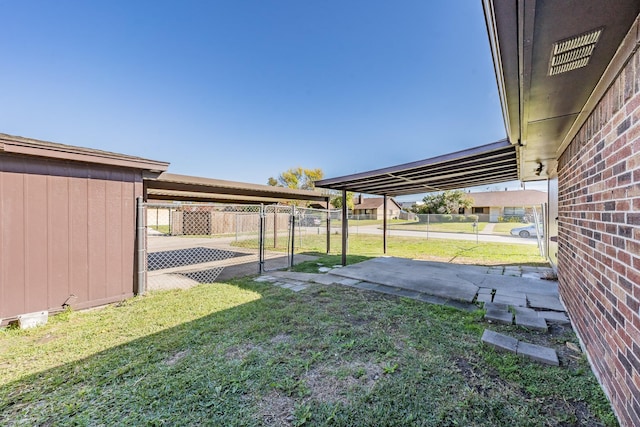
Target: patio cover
x: 169, y: 186
x: 487, y: 164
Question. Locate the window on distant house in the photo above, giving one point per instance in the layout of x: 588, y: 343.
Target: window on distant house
x: 479, y: 210
x: 509, y: 211
x: 461, y: 211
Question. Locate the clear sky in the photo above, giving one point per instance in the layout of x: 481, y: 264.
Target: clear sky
x: 245, y: 89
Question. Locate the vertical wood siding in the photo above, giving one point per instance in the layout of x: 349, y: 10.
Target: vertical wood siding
x: 65, y: 229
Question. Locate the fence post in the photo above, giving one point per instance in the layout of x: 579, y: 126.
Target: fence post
x: 275, y: 226
x: 293, y: 234
x: 428, y: 219
x: 328, y: 227
x: 261, y: 224
x: 141, y: 241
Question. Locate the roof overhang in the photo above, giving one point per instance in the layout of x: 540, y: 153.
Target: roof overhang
x: 32, y: 147
x: 170, y: 186
x: 552, y: 61
x: 487, y: 164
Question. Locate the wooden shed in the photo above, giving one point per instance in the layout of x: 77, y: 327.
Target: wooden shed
x: 67, y: 225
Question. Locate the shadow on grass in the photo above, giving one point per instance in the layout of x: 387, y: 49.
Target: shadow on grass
x: 274, y: 357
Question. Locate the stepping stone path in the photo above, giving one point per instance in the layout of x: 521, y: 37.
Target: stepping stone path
x: 294, y: 285
x: 535, y: 352
x: 529, y: 310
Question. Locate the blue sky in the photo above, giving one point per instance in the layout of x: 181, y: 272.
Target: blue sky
x: 242, y: 90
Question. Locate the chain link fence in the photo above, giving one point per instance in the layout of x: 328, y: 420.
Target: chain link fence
x: 189, y: 243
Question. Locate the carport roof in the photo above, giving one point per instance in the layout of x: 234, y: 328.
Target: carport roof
x: 486, y: 164
x: 169, y: 186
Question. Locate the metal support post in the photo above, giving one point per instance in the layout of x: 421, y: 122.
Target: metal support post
x: 261, y: 226
x: 328, y: 227
x: 293, y: 234
x: 384, y: 225
x: 345, y: 228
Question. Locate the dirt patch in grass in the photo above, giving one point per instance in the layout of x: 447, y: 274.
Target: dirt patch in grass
x: 176, y: 357
x: 239, y: 352
x: 276, y: 409
x: 338, y: 382
x: 281, y: 339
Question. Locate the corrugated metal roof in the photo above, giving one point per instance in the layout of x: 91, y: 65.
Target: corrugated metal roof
x: 487, y: 164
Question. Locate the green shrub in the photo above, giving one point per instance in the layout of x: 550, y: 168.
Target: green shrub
x: 446, y: 218
x: 473, y: 218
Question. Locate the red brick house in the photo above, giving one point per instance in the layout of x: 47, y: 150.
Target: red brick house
x: 568, y: 75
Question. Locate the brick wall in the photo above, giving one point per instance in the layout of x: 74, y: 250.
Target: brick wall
x: 599, y: 239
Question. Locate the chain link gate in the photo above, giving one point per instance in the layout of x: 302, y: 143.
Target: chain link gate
x: 190, y: 243
x: 276, y: 237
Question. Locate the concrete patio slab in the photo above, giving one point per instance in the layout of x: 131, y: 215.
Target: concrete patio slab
x: 368, y: 286
x: 496, y: 306
x: 511, y: 300
x: 525, y: 311
x: 437, y: 279
x: 512, y: 283
x: 499, y: 316
x: 554, y: 317
x: 485, y: 298
x: 547, y: 302
x: 293, y: 275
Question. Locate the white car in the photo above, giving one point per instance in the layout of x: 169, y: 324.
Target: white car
x: 526, y: 231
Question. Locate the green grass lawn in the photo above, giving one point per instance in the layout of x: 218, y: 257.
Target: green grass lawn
x: 164, y: 229
x: 458, y: 251
x: 446, y: 227
x: 364, y: 222
x: 249, y: 354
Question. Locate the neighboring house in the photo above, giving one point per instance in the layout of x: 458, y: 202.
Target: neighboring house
x: 409, y: 206
x: 505, y: 204
x: 568, y: 74
x: 319, y: 205
x: 373, y: 208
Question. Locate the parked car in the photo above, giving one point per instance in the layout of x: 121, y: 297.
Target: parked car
x: 526, y: 231
x: 310, y: 221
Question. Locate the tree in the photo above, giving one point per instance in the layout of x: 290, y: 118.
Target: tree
x: 336, y: 200
x: 297, y: 178
x: 446, y: 202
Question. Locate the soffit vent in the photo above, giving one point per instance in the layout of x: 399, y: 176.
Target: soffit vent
x: 573, y: 53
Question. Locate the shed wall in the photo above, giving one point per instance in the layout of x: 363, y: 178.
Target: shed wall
x: 599, y: 239
x: 67, y: 234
